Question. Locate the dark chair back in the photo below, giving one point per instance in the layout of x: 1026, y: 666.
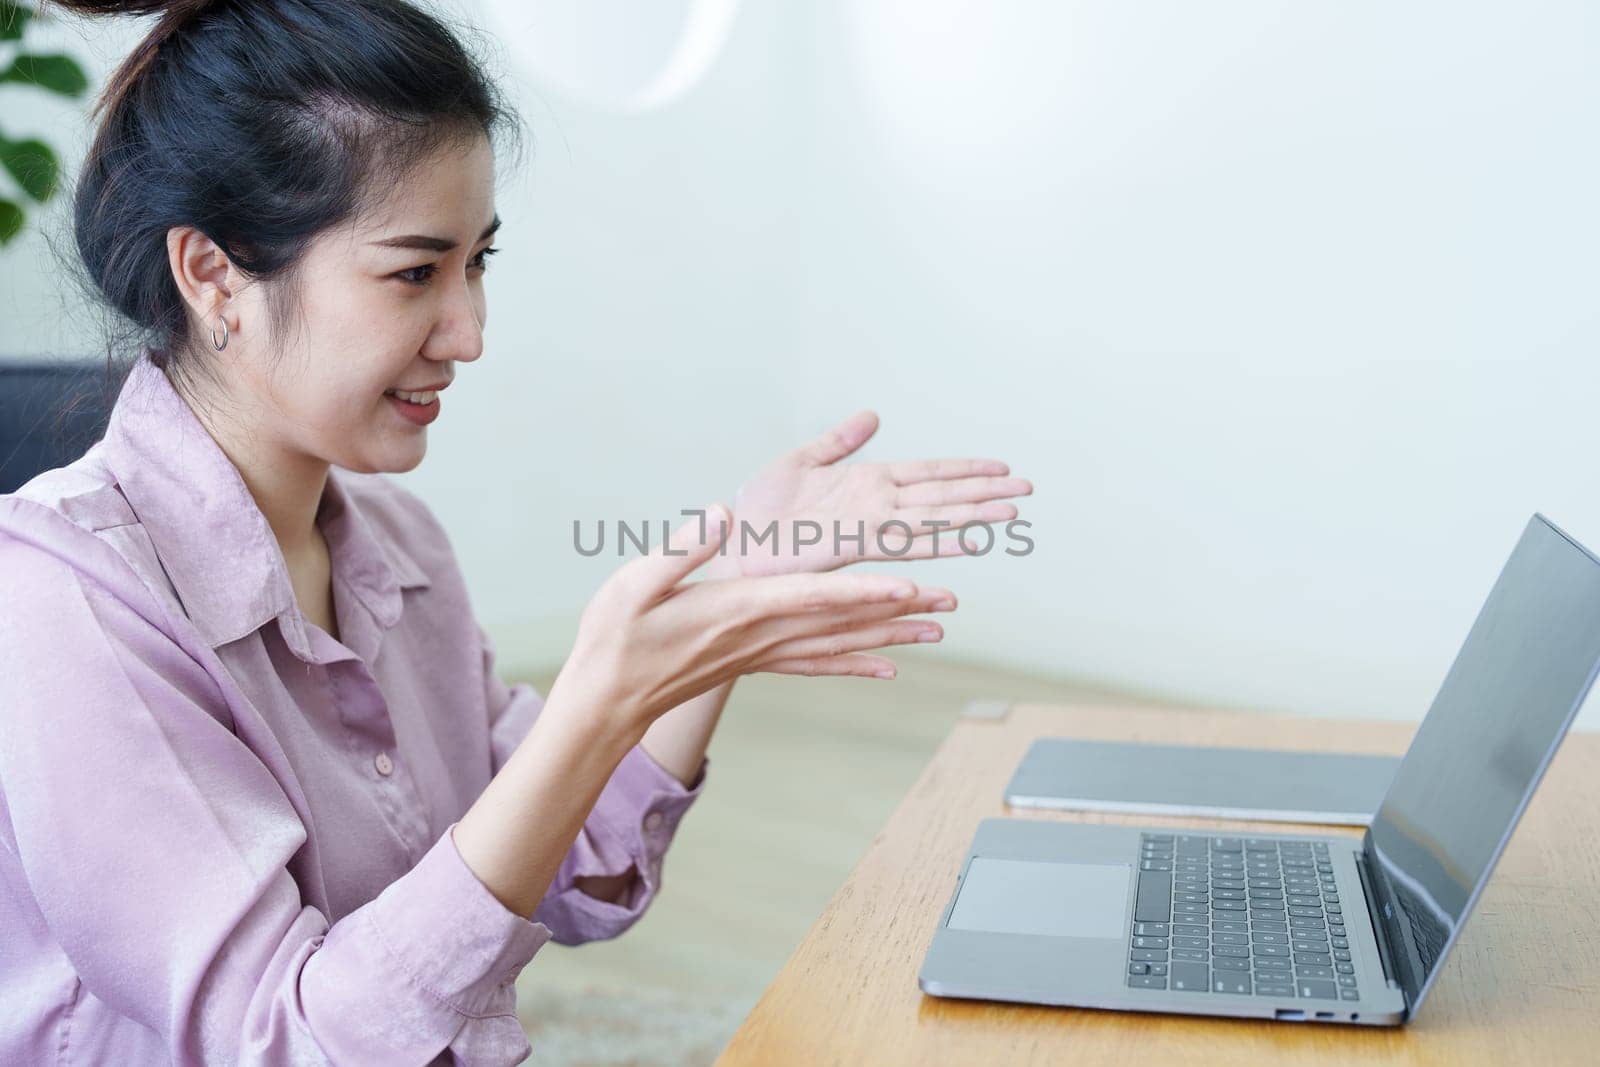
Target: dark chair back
x: 51, y: 412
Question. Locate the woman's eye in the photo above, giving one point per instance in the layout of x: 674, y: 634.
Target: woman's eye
x: 481, y: 260
x: 420, y: 275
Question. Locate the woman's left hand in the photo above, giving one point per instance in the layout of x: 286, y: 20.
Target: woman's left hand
x: 805, y: 492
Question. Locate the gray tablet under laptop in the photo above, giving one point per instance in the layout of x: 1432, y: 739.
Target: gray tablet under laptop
x: 1294, y: 927
x: 1225, y: 783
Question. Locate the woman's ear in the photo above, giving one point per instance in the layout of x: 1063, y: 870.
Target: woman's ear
x: 205, y: 276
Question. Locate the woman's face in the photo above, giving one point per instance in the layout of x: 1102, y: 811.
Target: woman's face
x: 393, y: 300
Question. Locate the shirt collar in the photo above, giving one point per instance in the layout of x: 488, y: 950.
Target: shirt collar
x: 213, y: 540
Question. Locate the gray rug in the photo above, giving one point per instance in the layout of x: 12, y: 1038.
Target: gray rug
x: 626, y: 1028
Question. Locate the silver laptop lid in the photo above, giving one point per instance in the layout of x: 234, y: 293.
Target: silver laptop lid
x: 1504, y: 707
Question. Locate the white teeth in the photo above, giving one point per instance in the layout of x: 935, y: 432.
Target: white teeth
x: 415, y: 398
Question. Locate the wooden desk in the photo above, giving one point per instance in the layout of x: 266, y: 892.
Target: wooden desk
x: 1522, y: 984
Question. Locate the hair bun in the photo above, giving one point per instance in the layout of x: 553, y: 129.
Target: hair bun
x: 174, y: 14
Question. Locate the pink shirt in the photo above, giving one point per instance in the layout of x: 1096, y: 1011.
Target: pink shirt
x: 224, y: 836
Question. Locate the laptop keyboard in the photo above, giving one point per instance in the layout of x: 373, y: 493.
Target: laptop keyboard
x: 1242, y: 915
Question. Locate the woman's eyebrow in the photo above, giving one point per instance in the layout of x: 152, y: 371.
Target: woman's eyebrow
x: 433, y: 244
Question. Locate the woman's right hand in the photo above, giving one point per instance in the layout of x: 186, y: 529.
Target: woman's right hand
x: 648, y: 641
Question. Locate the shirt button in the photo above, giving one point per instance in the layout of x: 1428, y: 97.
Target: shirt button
x: 384, y: 764
x: 652, y: 821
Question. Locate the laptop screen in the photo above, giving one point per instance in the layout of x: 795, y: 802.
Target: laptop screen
x: 1502, y: 710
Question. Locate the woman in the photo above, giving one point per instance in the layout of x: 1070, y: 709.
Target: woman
x: 265, y: 798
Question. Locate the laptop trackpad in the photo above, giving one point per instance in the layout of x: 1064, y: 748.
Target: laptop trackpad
x: 1050, y: 899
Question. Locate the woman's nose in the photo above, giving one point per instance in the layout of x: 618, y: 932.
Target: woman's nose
x: 459, y: 334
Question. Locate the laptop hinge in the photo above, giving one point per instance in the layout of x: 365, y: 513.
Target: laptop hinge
x: 1375, y: 917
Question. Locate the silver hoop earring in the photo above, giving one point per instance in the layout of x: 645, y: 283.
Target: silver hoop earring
x: 224, y: 344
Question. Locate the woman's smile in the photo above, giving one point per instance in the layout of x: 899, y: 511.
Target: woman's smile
x: 421, y: 414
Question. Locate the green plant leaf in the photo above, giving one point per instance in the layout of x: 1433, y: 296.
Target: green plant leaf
x: 12, y: 18
x: 10, y: 221
x: 57, y: 73
x: 33, y: 165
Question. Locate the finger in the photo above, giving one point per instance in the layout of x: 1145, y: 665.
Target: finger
x: 961, y: 491
x: 722, y: 598
x: 808, y: 594
x: 928, y: 598
x: 775, y: 633
x: 874, y: 635
x: 922, y: 470
x: 923, y: 546
x: 856, y: 666
x: 952, y: 517
x: 689, y: 546
x: 842, y: 440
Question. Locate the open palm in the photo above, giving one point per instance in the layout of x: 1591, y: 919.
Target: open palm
x: 807, y: 493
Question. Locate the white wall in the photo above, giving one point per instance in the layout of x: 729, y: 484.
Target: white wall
x: 1287, y: 310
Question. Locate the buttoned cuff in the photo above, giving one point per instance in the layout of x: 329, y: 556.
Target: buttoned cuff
x: 439, y: 952
x: 631, y: 826
x: 459, y: 941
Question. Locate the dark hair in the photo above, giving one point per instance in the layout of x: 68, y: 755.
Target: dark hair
x: 261, y: 123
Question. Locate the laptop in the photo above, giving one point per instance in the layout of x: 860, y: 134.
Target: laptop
x: 1201, y: 781
x: 1294, y: 926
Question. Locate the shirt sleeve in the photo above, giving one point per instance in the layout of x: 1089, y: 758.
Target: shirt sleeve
x: 156, y: 847
x: 630, y: 828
